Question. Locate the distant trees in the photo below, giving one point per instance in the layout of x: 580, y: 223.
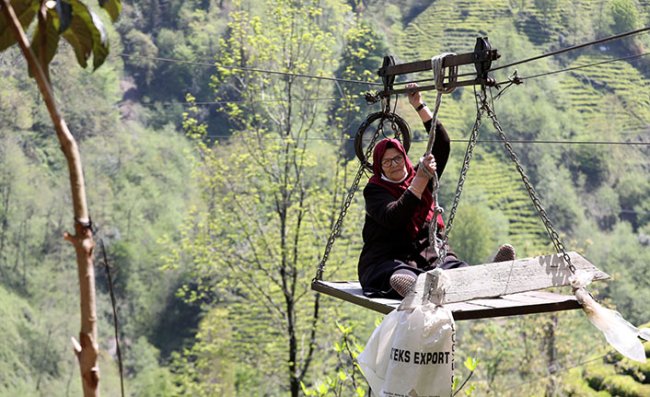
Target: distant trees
x: 545, y: 6
x: 624, y: 14
x: 256, y: 239
x: 363, y: 52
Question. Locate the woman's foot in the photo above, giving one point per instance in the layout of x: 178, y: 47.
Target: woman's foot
x: 402, y: 281
x: 505, y: 253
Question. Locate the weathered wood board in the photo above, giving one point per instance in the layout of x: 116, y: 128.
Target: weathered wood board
x: 508, y: 305
x: 482, y: 291
x: 510, y: 277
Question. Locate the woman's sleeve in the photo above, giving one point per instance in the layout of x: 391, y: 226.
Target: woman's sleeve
x: 386, y: 210
x: 441, y: 146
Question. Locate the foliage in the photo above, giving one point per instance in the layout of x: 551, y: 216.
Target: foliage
x: 348, y: 378
x: 621, y: 253
x: 134, y: 174
x: 470, y: 365
x: 262, y: 215
x: 610, y: 374
x: 73, y: 20
x: 477, y: 232
x: 362, y: 53
x: 625, y: 15
x: 546, y: 6
x: 185, y: 33
x: 223, y: 339
x: 209, y: 366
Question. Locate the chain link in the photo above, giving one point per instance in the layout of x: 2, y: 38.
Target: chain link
x: 336, y: 229
x: 555, y: 238
x: 469, y: 152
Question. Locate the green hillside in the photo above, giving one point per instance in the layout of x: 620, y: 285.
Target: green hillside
x: 611, y: 374
x: 215, y: 214
x: 612, y: 98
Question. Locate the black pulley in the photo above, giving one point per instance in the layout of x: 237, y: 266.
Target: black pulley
x: 400, y: 131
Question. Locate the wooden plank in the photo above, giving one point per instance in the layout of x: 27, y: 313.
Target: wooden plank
x: 503, y: 307
x: 352, y: 292
x: 509, y: 305
x: 504, y: 278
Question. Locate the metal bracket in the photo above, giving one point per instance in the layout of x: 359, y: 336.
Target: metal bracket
x: 481, y: 58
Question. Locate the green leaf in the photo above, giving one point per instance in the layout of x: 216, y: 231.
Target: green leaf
x: 100, y: 42
x: 112, y: 7
x: 25, y: 11
x: 471, y: 363
x: 86, y: 35
x: 80, y: 38
x: 64, y: 10
x: 51, y: 38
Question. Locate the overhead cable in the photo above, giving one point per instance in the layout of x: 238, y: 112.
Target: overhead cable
x: 520, y: 141
x: 572, y: 48
x: 247, y: 69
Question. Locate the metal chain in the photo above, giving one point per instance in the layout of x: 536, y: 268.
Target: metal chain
x: 336, y: 229
x: 555, y: 238
x: 469, y: 152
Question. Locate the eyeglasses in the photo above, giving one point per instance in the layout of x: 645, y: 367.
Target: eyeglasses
x: 397, y: 160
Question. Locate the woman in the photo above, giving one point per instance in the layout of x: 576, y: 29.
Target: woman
x: 399, y: 210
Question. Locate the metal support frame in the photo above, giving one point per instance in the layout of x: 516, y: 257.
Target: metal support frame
x: 481, y: 58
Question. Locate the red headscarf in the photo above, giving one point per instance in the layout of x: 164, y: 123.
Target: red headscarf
x: 424, y: 211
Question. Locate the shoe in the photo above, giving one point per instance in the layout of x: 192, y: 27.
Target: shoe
x: 505, y: 253
x: 402, y: 281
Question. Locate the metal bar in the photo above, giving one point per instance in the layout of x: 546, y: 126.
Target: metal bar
x: 451, y: 60
x: 433, y: 87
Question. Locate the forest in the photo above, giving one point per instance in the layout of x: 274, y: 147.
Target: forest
x: 217, y: 142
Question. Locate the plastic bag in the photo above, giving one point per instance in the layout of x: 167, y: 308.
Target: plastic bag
x: 411, y: 353
x: 619, y: 333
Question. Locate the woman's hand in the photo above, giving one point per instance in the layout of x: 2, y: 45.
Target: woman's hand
x: 427, y: 167
x: 426, y: 171
x: 415, y: 99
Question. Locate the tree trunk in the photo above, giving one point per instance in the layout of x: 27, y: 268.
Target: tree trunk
x: 551, y: 355
x: 82, y: 239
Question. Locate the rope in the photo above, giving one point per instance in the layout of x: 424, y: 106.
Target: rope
x: 115, y: 323
x: 439, y: 78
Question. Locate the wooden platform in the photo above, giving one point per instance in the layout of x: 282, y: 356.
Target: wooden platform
x: 507, y: 305
x: 483, y: 291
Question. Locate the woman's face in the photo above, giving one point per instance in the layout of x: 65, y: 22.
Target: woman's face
x: 393, y: 165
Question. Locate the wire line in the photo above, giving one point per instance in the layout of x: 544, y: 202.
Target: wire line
x: 583, y: 66
x: 257, y: 70
x: 572, y: 48
x: 521, y: 141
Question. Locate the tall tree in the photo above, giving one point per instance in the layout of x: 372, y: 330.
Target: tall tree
x: 83, y: 29
x: 266, y: 201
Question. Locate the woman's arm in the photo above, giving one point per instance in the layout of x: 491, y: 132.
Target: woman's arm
x: 442, y: 143
x: 388, y: 211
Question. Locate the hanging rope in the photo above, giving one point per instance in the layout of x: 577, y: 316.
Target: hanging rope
x: 439, y: 78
